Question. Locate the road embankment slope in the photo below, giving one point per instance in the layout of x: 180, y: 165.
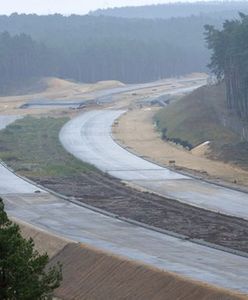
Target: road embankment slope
x: 89, y: 273
x: 202, y: 116
x: 93, y: 274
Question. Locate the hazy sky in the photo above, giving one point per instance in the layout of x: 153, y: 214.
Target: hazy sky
x: 67, y: 6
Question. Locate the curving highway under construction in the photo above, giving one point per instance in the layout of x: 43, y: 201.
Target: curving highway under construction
x: 88, y: 137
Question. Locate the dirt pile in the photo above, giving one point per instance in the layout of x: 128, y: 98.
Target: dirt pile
x: 91, y: 274
x: 66, y: 89
x: 53, y: 89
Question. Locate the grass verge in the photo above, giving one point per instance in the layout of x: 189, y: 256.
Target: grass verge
x: 196, y: 118
x: 31, y: 147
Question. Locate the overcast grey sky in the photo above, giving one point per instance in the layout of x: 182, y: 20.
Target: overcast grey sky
x: 67, y: 6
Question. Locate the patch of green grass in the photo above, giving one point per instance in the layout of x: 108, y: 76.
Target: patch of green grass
x: 31, y: 146
x: 195, y: 118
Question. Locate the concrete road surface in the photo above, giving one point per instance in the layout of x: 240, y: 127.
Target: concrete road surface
x: 106, y: 95
x: 156, y: 249
x: 10, y: 183
x: 88, y: 137
x: 5, y: 120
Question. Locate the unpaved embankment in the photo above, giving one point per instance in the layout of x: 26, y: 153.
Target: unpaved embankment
x: 136, y: 130
x: 92, y: 274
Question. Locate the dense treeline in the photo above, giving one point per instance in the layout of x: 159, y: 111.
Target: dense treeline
x: 229, y: 61
x: 88, y: 49
x: 20, y: 58
x: 217, y: 9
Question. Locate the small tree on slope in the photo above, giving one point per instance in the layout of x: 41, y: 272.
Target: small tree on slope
x: 23, y: 275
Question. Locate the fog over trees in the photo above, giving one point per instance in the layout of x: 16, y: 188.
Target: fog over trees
x: 215, y: 9
x: 21, y: 58
x: 93, y: 48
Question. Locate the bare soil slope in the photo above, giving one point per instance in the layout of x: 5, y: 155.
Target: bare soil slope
x: 136, y: 131
x: 91, y: 274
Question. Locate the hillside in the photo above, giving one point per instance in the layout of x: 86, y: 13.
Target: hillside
x: 201, y: 117
x: 216, y: 9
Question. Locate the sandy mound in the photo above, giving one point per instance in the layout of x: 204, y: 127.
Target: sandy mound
x: 196, y: 75
x: 54, y: 89
x: 109, y: 84
x: 92, y: 274
x: 202, y: 149
x: 66, y: 87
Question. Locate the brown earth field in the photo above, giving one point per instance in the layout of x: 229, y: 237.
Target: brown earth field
x: 92, y: 274
x: 110, y: 194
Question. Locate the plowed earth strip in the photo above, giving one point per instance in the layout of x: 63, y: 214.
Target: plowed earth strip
x: 110, y: 194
